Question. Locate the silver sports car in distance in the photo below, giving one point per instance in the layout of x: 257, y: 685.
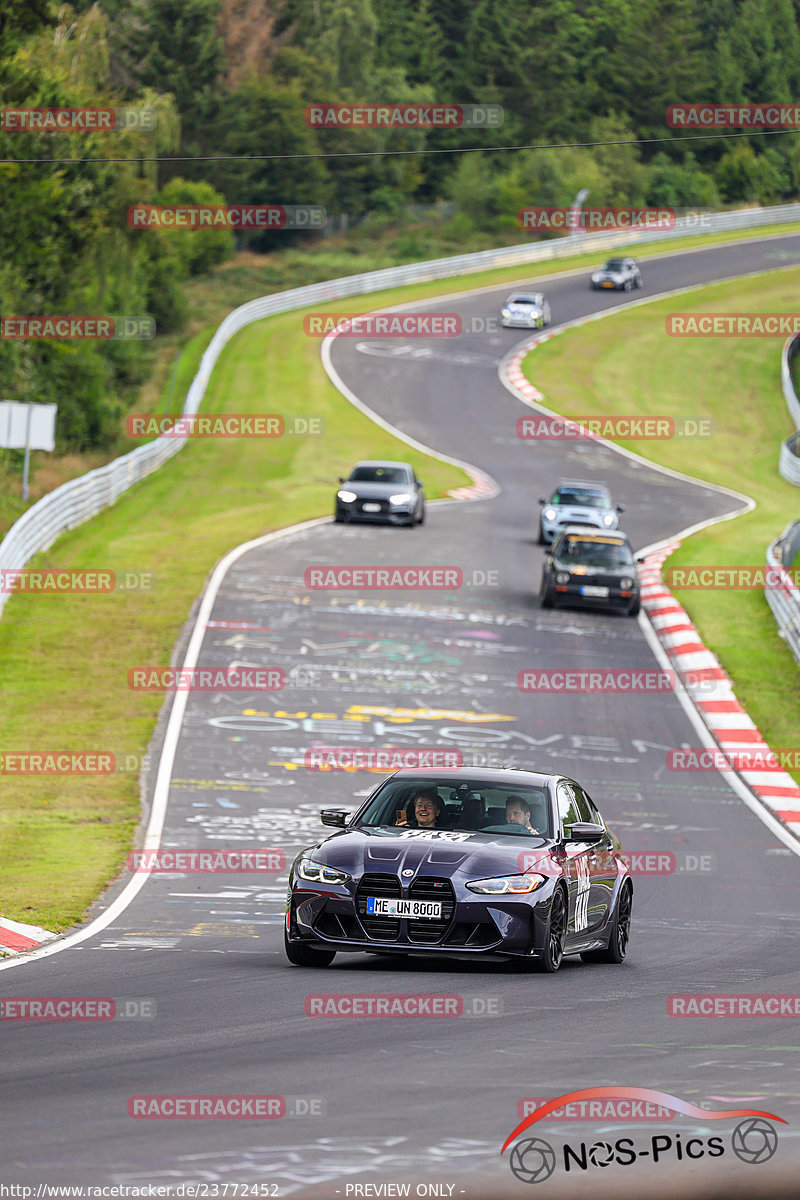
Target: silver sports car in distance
x: 525, y: 310
x: 576, y: 503
x: 621, y: 274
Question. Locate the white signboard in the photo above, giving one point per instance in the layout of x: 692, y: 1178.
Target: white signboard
x: 31, y: 426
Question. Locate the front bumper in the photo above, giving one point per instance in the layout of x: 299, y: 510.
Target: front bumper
x: 475, y: 927
x: 388, y: 514
x: 517, y: 322
x: 570, y: 593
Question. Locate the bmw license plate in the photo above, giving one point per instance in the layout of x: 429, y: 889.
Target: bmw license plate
x: 372, y: 508
x: 415, y: 910
x: 600, y: 592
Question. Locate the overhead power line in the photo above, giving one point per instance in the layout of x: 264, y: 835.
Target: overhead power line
x: 139, y: 158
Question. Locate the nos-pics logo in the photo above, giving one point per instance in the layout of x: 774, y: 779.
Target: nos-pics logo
x: 533, y: 1160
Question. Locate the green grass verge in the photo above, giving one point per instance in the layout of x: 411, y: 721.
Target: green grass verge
x: 65, y: 658
x: 627, y: 364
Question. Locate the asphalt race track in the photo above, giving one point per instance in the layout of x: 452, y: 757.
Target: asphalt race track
x: 427, y: 1101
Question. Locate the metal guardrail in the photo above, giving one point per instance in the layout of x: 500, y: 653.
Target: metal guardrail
x: 788, y: 460
x: 82, y: 498
x: 785, y: 599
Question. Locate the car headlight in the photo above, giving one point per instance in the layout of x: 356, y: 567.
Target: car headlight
x: 626, y: 584
x: 316, y: 872
x: 549, y: 514
x: 506, y: 312
x: 503, y: 885
x: 608, y: 519
x: 401, y: 498
x: 562, y: 577
x: 348, y: 497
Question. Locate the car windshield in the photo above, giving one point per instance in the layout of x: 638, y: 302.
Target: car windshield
x: 583, y: 497
x: 523, y: 300
x: 468, y: 807
x: 614, y: 264
x: 595, y: 552
x: 379, y: 475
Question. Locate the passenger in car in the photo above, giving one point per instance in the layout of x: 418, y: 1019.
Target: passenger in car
x: 518, y: 812
x: 428, y: 810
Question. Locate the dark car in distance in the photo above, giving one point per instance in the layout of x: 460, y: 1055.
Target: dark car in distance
x: 439, y: 863
x: 594, y: 569
x: 383, y: 492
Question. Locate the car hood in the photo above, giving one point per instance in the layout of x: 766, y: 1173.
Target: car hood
x: 584, y: 512
x: 446, y: 853
x: 523, y: 309
x: 603, y: 274
x: 375, y: 491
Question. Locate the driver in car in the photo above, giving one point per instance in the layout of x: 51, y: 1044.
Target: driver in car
x: 518, y: 812
x: 428, y: 810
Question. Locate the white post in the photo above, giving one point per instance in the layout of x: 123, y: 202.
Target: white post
x: 575, y: 212
x: 26, y: 464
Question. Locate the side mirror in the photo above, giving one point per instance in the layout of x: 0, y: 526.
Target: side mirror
x: 334, y: 816
x: 640, y: 558
x: 341, y: 479
x: 584, y: 831
x: 620, y: 508
x: 420, y: 483
x: 542, y: 500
